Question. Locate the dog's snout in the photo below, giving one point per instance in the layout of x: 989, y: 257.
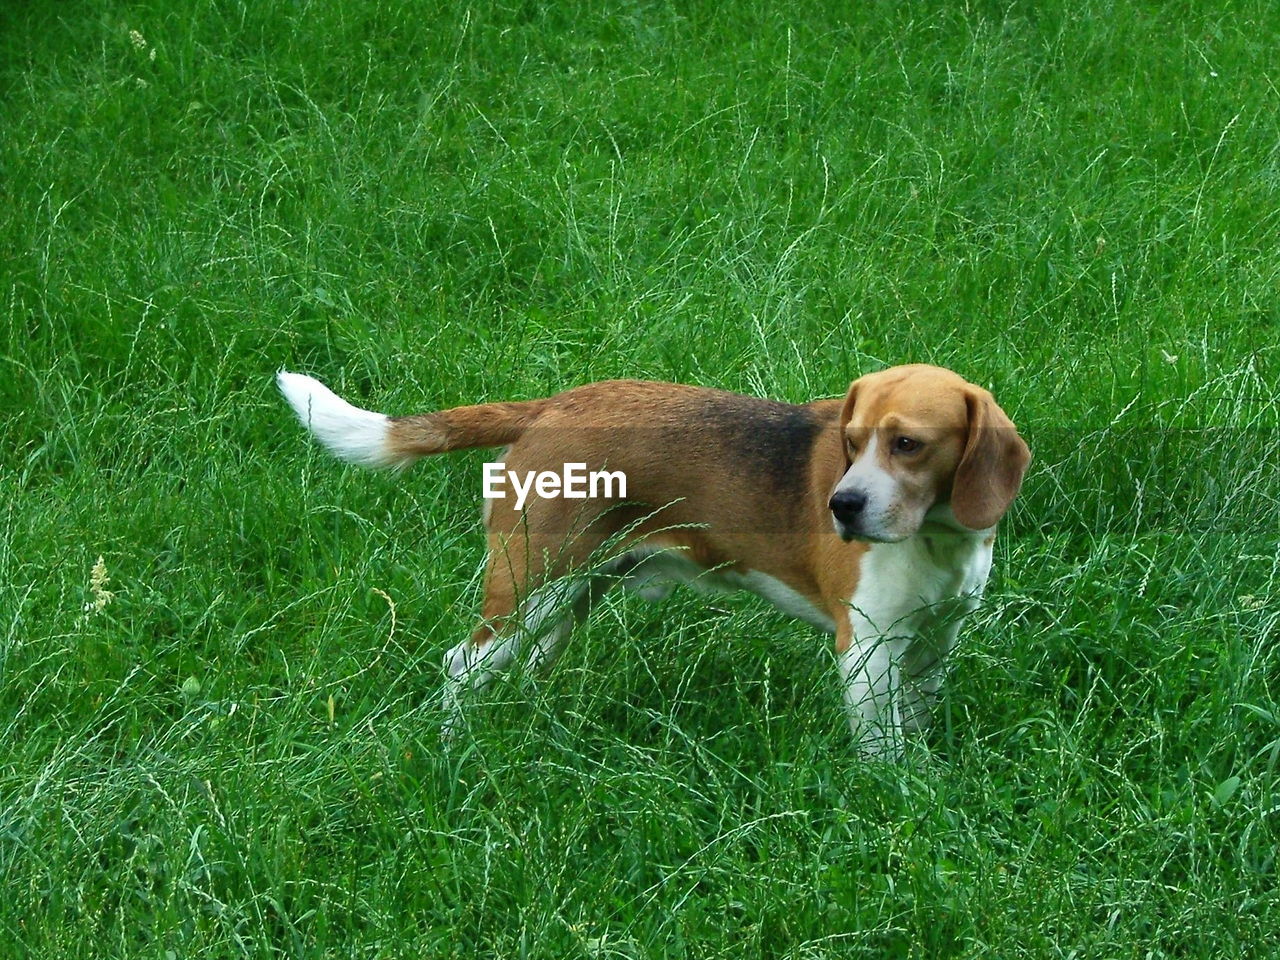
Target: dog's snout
x: 847, y: 505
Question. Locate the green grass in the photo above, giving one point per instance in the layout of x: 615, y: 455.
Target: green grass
x: 238, y: 755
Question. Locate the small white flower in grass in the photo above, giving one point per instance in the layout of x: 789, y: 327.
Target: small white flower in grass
x: 98, y: 581
x: 138, y: 40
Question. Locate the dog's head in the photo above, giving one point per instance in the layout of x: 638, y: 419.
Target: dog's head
x: 922, y: 443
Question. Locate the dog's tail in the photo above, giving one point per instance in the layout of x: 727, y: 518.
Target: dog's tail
x: 376, y: 440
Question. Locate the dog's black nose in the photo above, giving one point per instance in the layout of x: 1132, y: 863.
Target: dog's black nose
x: 847, y: 504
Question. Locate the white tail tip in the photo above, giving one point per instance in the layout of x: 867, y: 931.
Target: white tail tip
x: 349, y: 433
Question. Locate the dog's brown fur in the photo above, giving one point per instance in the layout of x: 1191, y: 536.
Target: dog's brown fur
x: 734, y: 482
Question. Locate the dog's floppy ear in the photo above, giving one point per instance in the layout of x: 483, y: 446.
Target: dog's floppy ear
x: 991, y: 468
x: 845, y: 415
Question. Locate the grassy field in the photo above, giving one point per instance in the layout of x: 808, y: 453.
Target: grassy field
x: 224, y: 743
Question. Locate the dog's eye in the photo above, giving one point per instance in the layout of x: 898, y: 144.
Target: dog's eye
x: 906, y: 445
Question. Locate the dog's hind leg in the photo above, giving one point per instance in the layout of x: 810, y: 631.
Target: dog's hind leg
x: 536, y: 588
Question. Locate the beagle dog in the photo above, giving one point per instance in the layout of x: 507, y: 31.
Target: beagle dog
x: 871, y: 517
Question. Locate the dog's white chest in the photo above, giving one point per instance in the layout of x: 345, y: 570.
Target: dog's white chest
x: 921, y: 587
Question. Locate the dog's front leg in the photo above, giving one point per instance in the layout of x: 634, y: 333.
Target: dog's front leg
x: 871, y: 674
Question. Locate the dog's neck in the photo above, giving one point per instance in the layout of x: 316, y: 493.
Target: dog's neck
x: 940, y: 521
x: 948, y: 544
